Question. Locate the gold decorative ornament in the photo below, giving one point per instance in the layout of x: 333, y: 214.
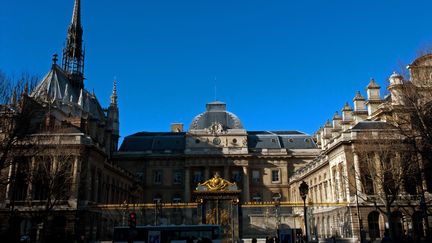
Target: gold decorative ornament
x: 216, y: 183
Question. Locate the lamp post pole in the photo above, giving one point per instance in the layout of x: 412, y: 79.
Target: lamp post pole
x: 277, y: 215
x: 304, y: 189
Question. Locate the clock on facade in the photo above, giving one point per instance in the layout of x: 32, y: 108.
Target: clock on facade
x: 216, y: 141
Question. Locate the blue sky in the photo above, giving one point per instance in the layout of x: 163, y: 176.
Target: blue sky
x: 279, y: 65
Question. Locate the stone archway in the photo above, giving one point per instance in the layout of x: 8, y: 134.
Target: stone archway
x: 373, y: 225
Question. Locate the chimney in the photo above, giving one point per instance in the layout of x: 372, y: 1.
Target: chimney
x: 374, y: 97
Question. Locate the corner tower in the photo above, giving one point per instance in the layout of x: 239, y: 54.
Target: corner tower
x: 73, y: 52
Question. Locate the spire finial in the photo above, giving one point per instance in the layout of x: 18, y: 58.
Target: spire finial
x: 76, y: 16
x: 73, y: 53
x: 215, y: 89
x: 55, y: 59
x: 114, y: 93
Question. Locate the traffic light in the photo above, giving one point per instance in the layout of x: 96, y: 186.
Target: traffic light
x: 132, y: 220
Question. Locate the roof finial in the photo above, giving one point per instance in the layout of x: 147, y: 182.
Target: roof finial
x: 55, y: 59
x: 114, y: 93
x: 215, y: 90
x: 73, y: 52
x: 76, y: 16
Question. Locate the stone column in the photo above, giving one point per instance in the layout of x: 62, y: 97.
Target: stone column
x: 357, y: 173
x: 246, y: 194
x: 187, y: 185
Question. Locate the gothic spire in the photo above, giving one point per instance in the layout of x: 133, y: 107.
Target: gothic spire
x: 114, y: 94
x: 76, y: 16
x: 73, y: 53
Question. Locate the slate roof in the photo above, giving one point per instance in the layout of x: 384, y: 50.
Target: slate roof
x: 279, y: 140
x: 371, y: 125
x: 154, y: 141
x: 216, y: 112
x: 175, y: 142
x: 56, y: 87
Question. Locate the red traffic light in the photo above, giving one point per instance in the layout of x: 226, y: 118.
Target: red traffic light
x: 132, y: 215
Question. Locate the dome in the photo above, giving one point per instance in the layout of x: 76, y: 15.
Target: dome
x: 395, y: 78
x: 216, y: 113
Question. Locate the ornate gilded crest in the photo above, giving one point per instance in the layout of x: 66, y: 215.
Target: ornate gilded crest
x: 216, y: 184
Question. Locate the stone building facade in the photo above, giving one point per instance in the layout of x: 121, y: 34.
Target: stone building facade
x: 155, y: 174
x: 342, y: 200
x: 54, y: 174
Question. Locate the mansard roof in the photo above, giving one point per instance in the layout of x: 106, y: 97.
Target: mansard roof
x: 280, y: 140
x: 175, y: 142
x: 154, y: 141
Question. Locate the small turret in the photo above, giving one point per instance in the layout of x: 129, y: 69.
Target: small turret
x: 347, y: 113
x: 396, y: 88
x: 395, y: 78
x: 337, y: 121
x: 114, y: 94
x: 113, y: 119
x: 347, y: 117
x: 360, y: 112
x: 374, y: 96
x: 359, y: 102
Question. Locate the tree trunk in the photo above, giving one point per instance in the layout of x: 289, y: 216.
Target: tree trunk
x: 389, y: 223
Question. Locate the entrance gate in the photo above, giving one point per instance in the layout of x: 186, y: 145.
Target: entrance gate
x: 218, y: 203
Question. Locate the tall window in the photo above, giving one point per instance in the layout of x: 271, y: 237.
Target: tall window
x: 197, y: 176
x: 177, y: 177
x: 275, y: 174
x: 236, y: 175
x: 40, y: 179
x: 256, y: 176
x: 325, y: 190
x: 335, y: 183
x: 21, y: 179
x: 157, y: 177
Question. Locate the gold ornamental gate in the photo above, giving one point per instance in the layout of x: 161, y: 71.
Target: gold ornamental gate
x: 218, y: 203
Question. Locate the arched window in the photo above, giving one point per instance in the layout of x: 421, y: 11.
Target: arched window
x: 373, y: 225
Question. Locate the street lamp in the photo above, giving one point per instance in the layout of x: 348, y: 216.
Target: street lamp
x: 304, y: 189
x: 276, y: 199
